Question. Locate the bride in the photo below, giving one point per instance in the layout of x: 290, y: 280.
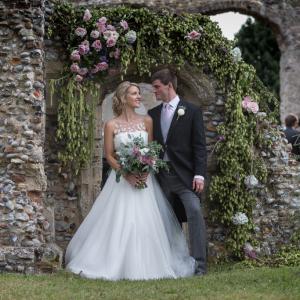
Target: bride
x: 129, y: 233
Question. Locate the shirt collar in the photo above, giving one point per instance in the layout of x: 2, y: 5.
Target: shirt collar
x: 174, y: 102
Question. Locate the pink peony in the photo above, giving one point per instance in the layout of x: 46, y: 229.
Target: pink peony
x: 75, y: 56
x: 245, y: 102
x: 193, y: 35
x: 87, y: 15
x: 78, y: 78
x: 94, y: 70
x: 74, y: 68
x: 97, y: 45
x: 111, y: 42
x: 83, y: 71
x: 102, y: 66
x: 95, y: 34
x: 124, y: 24
x: 80, y: 32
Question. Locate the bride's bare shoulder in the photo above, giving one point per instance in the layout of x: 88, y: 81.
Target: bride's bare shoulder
x: 110, y: 124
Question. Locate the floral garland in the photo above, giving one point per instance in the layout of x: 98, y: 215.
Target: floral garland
x: 104, y: 40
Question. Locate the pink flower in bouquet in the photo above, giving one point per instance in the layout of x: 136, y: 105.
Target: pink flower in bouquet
x: 87, y: 15
x: 78, y: 78
x: 95, y: 34
x: 111, y: 42
x: 80, y: 32
x: 102, y: 66
x: 83, y: 71
x: 136, y: 151
x: 75, y: 56
x: 97, y: 45
x: 193, y: 35
x: 117, y: 53
x: 83, y: 49
x: 74, y: 68
x: 124, y: 24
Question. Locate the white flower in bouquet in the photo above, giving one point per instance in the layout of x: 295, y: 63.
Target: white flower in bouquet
x: 240, y: 219
x: 144, y: 151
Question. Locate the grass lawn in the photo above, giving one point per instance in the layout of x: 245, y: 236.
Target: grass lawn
x: 226, y: 282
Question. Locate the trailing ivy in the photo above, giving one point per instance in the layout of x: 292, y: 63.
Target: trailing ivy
x: 162, y: 39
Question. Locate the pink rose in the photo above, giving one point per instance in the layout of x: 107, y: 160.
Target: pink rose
x: 80, y: 32
x: 193, y: 35
x: 95, y: 34
x: 87, y: 15
x: 78, y: 78
x: 124, y: 24
x: 97, y: 45
x: 102, y: 66
x: 102, y: 20
x: 95, y: 70
x: 83, y: 49
x: 74, y: 68
x: 85, y: 43
x: 253, y: 107
x: 111, y: 28
x: 245, y: 102
x: 83, y: 71
x: 101, y: 27
x: 111, y: 42
x: 75, y: 56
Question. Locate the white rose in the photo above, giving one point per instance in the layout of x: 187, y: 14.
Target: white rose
x: 180, y: 112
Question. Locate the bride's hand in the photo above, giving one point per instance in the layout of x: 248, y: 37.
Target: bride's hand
x: 143, y: 176
x: 133, y: 179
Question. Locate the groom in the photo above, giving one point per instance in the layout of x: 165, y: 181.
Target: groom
x: 178, y: 126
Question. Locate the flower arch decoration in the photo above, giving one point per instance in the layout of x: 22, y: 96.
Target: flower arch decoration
x: 101, y: 40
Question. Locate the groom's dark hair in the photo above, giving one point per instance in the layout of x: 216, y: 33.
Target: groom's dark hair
x: 165, y: 76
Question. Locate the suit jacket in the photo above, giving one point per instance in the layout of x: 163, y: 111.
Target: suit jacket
x: 185, y: 143
x: 293, y: 137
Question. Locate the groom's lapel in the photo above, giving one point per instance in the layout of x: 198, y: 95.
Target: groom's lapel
x: 174, y: 121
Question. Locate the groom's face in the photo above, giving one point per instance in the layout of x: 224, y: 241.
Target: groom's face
x: 161, y: 91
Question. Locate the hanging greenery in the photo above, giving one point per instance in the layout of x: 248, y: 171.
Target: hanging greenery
x: 101, y: 40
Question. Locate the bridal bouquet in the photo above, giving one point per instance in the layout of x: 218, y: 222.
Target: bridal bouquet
x: 137, y: 157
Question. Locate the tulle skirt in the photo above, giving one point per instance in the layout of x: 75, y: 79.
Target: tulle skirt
x: 130, y: 234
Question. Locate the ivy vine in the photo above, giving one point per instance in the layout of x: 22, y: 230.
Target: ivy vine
x: 162, y: 40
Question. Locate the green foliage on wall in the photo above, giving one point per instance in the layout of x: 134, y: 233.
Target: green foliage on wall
x: 163, y: 38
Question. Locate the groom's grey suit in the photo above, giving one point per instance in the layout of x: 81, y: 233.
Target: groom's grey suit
x: 184, y: 147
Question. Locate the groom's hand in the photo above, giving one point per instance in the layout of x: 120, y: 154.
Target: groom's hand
x: 198, y: 185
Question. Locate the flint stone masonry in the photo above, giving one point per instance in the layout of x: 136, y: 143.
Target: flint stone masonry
x: 42, y: 204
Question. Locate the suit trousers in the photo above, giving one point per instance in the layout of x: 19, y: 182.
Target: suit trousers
x: 172, y: 185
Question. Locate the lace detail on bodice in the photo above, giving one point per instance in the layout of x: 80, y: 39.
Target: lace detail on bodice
x: 129, y: 127
x: 125, y: 132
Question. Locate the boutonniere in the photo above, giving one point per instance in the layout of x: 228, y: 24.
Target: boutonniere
x: 180, y: 111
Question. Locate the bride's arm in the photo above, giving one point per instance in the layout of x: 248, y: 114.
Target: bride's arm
x: 109, y: 145
x: 149, y: 127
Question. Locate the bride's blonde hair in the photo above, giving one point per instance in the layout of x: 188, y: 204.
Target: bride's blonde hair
x: 119, y: 97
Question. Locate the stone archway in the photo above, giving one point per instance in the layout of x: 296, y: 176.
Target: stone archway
x: 282, y: 16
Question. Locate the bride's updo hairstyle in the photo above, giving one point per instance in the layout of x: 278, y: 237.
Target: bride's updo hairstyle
x: 119, y: 97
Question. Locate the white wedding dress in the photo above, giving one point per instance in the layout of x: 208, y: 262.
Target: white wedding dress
x: 129, y: 233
